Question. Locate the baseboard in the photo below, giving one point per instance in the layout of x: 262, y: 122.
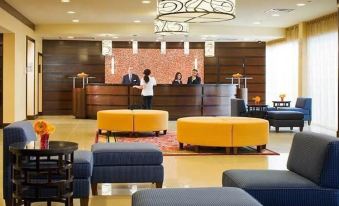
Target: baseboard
x: 40, y: 113
x: 32, y: 117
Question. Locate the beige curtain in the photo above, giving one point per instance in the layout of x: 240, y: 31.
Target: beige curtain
x: 321, y: 70
x: 282, y: 67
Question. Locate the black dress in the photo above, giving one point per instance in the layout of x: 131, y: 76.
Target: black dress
x: 176, y: 82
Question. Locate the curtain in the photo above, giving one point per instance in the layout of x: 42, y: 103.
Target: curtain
x: 282, y: 67
x: 321, y: 71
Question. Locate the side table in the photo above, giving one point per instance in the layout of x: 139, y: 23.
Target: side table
x: 257, y: 110
x: 42, y: 173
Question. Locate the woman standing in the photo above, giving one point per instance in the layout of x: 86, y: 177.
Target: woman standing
x: 146, y: 85
x: 177, y: 79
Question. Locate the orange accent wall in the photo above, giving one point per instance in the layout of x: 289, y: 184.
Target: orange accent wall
x: 163, y: 67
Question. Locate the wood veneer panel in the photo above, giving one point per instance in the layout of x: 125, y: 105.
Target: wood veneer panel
x: 62, y: 59
x: 177, y: 101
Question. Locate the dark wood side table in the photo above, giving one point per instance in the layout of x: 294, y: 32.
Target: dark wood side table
x: 257, y: 110
x: 278, y: 104
x: 42, y: 173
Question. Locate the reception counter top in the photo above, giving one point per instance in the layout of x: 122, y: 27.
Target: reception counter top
x: 178, y: 100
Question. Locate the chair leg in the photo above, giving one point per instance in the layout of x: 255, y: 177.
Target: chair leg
x: 260, y: 148
x: 94, y: 189
x: 181, y: 146
x: 165, y: 132
x: 277, y: 129
x: 309, y: 122
x: 158, y: 184
x: 291, y: 128
x: 97, y: 137
x: 84, y: 201
x: 157, y: 133
x: 301, y: 129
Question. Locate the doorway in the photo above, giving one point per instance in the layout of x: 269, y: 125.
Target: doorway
x: 30, y: 79
x: 40, y: 71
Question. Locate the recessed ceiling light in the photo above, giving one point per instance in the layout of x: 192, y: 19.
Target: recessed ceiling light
x: 115, y: 37
x: 203, y: 38
x: 301, y: 4
x: 257, y: 22
x: 75, y: 20
x: 146, y: 2
x: 71, y: 12
x: 70, y: 37
x: 275, y: 15
x: 136, y: 21
x: 65, y: 1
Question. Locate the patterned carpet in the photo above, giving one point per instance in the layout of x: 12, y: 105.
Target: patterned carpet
x: 170, y: 146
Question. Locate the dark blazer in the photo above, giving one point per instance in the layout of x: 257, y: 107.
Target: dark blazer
x: 174, y: 82
x: 135, y: 79
x: 196, y: 81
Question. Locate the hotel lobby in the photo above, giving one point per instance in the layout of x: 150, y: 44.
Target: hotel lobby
x: 169, y: 102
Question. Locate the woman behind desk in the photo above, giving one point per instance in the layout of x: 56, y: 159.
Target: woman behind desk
x: 146, y: 85
x: 177, y: 79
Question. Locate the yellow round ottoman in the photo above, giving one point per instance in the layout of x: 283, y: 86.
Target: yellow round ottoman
x: 115, y: 120
x: 228, y: 132
x: 150, y: 121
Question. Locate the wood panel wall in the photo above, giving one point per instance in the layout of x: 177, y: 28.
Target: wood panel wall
x: 67, y: 58
x: 1, y: 79
x: 246, y: 58
x: 62, y: 59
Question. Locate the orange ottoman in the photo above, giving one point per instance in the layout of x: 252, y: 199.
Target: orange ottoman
x: 150, y: 121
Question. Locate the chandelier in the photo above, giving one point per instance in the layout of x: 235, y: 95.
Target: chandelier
x: 169, y: 28
x: 196, y: 11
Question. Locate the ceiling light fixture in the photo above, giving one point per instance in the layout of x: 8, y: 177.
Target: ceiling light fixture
x: 196, y: 11
x: 65, y: 1
x: 275, y: 15
x: 257, y: 22
x: 71, y: 12
x: 70, y: 37
x: 136, y: 21
x: 75, y: 21
x: 170, y: 28
x: 146, y: 2
x: 301, y: 4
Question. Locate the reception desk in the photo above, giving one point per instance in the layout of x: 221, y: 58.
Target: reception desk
x: 179, y: 101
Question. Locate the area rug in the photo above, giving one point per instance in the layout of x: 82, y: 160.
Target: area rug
x: 170, y: 146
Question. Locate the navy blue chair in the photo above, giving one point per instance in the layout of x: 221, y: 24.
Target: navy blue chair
x: 312, y: 178
x: 238, y: 108
x: 303, y: 105
x: 23, y: 132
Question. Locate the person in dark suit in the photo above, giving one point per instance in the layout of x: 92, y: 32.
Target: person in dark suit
x: 131, y: 78
x: 177, y: 79
x: 194, y: 79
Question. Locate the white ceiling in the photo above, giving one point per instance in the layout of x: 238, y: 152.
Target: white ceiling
x: 90, y: 12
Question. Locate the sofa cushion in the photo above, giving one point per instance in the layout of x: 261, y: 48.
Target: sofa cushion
x: 193, y: 197
x: 329, y: 175
x: 304, y: 111
x: 308, y: 153
x: 261, y: 179
x: 83, y: 164
x: 110, y: 154
x: 285, y: 115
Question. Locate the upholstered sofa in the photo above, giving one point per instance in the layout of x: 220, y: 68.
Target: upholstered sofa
x: 238, y: 108
x: 303, y: 105
x: 311, y: 179
x: 23, y: 132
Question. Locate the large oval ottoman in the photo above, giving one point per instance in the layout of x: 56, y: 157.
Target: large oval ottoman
x: 150, y: 121
x: 228, y: 132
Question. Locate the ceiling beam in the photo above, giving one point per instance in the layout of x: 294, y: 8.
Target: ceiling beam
x: 15, y: 13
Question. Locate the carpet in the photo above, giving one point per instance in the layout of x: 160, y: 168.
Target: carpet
x: 169, y: 145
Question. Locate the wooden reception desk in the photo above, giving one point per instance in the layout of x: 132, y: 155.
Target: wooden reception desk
x: 179, y: 101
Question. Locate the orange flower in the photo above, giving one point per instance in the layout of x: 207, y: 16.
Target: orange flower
x: 50, y: 129
x: 256, y: 99
x: 40, y: 127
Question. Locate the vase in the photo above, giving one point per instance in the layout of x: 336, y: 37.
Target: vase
x: 44, y: 141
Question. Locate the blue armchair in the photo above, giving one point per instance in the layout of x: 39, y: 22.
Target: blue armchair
x: 303, y: 105
x: 311, y: 180
x: 23, y: 132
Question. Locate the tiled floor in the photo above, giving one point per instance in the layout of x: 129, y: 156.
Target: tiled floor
x: 180, y: 171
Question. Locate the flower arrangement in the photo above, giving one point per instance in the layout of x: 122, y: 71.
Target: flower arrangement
x: 42, y: 127
x: 82, y: 75
x: 256, y: 99
x: 282, y: 97
x: 237, y: 75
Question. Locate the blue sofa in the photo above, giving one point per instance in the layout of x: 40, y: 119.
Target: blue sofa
x: 23, y: 132
x: 312, y: 178
x: 303, y: 105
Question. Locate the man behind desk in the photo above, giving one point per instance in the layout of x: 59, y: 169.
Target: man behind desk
x: 194, y: 79
x: 131, y: 78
